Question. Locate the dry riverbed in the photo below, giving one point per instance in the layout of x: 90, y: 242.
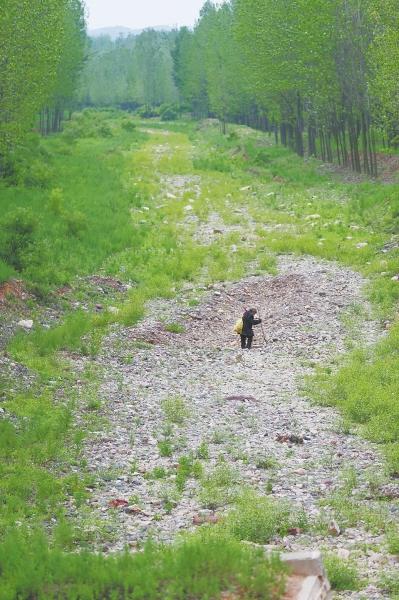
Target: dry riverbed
x: 242, y: 410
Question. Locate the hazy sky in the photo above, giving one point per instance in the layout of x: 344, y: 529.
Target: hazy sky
x: 137, y: 14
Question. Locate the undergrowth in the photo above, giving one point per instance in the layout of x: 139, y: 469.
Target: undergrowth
x: 200, y: 566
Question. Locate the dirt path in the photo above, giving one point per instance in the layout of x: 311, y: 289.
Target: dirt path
x: 244, y: 411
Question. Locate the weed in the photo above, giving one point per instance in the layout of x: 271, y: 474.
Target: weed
x: 219, y: 436
x: 169, y: 496
x: 193, y: 302
x: 93, y: 404
x: 133, y: 467
x: 203, y: 451
x: 135, y: 500
x: 165, y: 448
x: 393, y: 541
x: 258, y: 519
x: 266, y: 462
x: 219, y: 487
x: 157, y: 473
x: 175, y: 409
x: 174, y: 328
x: 343, y: 576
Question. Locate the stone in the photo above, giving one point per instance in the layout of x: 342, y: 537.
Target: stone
x: 334, y: 529
x: 343, y: 553
x: 25, y: 323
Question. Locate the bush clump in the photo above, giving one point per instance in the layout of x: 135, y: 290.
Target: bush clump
x: 258, y: 518
x: 17, y: 237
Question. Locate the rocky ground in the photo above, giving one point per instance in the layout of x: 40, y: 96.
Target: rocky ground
x: 244, y: 407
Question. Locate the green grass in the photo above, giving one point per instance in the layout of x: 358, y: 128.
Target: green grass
x: 201, y: 566
x: 365, y: 389
x: 36, y: 448
x: 82, y: 213
x: 175, y: 409
x: 259, y: 519
x: 342, y: 575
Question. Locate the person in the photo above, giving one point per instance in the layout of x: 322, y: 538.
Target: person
x: 248, y: 321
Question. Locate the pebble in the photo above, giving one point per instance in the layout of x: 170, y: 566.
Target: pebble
x: 25, y: 323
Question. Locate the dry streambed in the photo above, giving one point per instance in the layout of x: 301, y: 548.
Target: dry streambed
x: 242, y: 410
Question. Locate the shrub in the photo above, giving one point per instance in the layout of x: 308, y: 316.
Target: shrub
x: 258, y: 519
x: 128, y: 125
x: 393, y: 540
x: 19, y: 229
x: 266, y: 462
x: 175, y: 409
x: 56, y: 201
x: 6, y: 272
x: 147, y: 112
x: 168, y: 112
x: 219, y: 487
x: 165, y: 448
x: 203, y: 451
x: 343, y: 576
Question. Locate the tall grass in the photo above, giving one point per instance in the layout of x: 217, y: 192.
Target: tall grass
x: 82, y: 213
x: 201, y: 566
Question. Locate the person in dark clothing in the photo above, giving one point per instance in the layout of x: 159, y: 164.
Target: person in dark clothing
x: 248, y: 320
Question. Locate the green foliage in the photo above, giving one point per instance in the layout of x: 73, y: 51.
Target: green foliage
x: 219, y: 487
x: 238, y: 65
x: 168, y: 112
x: 132, y: 71
x: 258, y: 519
x: 175, y: 409
x: 365, y: 390
x: 17, y: 237
x: 157, y: 473
x: 201, y: 566
x: 42, y: 47
x: 342, y: 575
x: 6, y: 271
x: 203, y: 451
x: 165, y: 448
x: 393, y: 541
x: 266, y: 462
x: 38, y: 434
x: 175, y: 328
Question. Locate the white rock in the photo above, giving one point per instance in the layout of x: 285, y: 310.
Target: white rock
x: 361, y: 245
x: 113, y: 309
x: 25, y: 323
x: 170, y: 196
x: 343, y: 553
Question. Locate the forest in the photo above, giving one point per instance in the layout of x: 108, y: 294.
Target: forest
x: 153, y: 187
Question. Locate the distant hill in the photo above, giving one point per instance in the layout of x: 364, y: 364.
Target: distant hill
x: 120, y: 31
